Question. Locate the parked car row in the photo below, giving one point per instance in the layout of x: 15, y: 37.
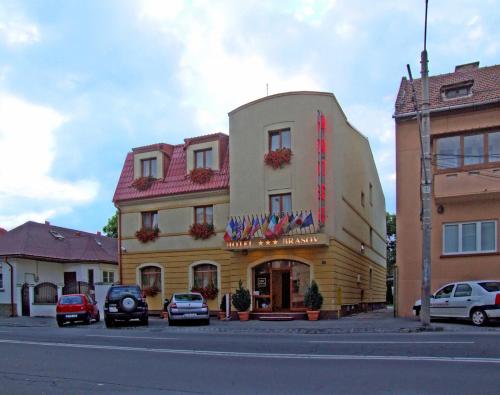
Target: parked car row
x: 126, y: 303
x: 478, y: 301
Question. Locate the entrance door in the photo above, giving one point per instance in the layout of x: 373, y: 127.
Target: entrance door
x: 25, y: 300
x: 70, y: 286
x: 277, y: 287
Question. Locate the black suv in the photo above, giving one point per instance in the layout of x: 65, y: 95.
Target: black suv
x: 125, y: 302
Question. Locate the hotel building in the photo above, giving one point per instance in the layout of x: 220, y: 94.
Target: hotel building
x: 193, y: 215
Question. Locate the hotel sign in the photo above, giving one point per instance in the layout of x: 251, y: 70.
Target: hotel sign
x: 291, y: 241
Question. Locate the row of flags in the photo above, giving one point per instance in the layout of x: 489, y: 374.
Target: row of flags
x: 266, y: 226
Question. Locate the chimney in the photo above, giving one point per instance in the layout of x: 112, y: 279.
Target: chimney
x: 47, y: 223
x: 98, y: 233
x: 467, y: 67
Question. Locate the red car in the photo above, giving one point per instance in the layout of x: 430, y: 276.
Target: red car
x: 77, y: 307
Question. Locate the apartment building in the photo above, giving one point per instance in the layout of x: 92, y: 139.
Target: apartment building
x: 465, y: 143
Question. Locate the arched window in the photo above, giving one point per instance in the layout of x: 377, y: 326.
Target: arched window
x: 205, y: 275
x: 46, y: 293
x: 151, y: 278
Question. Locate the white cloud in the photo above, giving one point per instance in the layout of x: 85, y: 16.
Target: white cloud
x: 18, y: 33
x: 28, y: 141
x: 215, y: 78
x: 11, y: 221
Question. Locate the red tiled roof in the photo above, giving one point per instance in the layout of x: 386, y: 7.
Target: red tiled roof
x: 34, y: 240
x: 176, y: 180
x: 485, y: 88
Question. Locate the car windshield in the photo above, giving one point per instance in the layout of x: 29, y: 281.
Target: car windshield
x: 491, y: 286
x: 71, y: 300
x: 119, y: 291
x: 188, y: 298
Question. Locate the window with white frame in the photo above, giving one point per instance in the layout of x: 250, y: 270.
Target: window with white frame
x: 470, y: 237
x: 108, y: 277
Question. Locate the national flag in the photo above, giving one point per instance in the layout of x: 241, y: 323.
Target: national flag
x: 308, y: 221
x: 281, y: 226
x: 234, y: 229
x: 228, y: 235
x: 273, y: 221
x: 264, y: 224
x: 255, y: 226
x: 247, y: 227
x: 291, y: 223
x: 239, y: 229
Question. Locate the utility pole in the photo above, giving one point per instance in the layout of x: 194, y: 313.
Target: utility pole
x: 426, y: 185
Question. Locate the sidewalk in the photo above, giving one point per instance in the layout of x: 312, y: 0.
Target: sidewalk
x: 380, y: 321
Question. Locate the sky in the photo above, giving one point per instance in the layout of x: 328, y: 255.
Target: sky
x: 83, y: 82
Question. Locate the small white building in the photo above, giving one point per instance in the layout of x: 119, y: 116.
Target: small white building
x: 40, y: 262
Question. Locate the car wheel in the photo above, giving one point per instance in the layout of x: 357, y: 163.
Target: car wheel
x: 60, y: 323
x: 417, y: 311
x: 206, y: 322
x: 478, y: 317
x: 109, y: 322
x: 98, y: 317
x: 86, y: 320
x: 171, y: 323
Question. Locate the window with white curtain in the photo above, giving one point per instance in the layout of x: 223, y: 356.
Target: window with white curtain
x: 470, y: 237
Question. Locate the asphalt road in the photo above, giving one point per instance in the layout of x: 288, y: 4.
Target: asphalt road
x: 163, y: 360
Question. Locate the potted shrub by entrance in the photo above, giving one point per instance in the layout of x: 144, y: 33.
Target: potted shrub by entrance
x: 313, y: 300
x: 241, y: 301
x: 222, y: 308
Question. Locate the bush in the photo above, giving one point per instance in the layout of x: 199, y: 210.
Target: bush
x: 313, y: 299
x: 222, y: 306
x: 241, y: 298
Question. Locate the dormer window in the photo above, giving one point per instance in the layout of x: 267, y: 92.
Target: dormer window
x: 457, y: 90
x: 148, y: 167
x: 203, y: 159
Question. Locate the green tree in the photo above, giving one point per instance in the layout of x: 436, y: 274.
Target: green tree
x: 111, y: 228
x: 391, y: 252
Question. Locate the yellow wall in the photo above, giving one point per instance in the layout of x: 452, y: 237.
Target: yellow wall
x: 341, y: 269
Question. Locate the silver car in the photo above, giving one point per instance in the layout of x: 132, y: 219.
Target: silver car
x: 187, y: 307
x: 477, y: 300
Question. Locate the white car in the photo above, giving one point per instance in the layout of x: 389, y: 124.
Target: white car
x: 477, y: 300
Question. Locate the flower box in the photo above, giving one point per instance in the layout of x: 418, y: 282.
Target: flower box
x: 151, y: 291
x: 144, y: 235
x: 278, y: 158
x: 209, y: 293
x: 143, y: 183
x: 201, y: 231
x: 200, y: 175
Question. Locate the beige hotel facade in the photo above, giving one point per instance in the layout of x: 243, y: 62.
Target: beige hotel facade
x: 331, y: 177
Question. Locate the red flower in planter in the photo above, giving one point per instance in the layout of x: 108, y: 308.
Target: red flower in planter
x: 201, y: 175
x: 143, y: 183
x: 151, y: 291
x: 278, y: 158
x: 144, y: 235
x: 201, y: 231
x: 208, y: 293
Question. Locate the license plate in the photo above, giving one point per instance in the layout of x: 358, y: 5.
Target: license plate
x: 189, y: 315
x: 71, y: 316
x: 113, y: 310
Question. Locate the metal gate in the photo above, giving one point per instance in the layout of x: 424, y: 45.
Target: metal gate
x: 25, y: 300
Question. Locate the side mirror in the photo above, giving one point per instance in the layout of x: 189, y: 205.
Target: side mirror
x: 166, y: 302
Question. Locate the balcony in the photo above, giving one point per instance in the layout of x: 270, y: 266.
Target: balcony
x: 287, y: 230
x: 474, y: 184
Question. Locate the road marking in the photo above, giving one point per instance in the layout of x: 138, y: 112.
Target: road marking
x: 231, y: 354
x: 388, y: 342
x: 135, y: 337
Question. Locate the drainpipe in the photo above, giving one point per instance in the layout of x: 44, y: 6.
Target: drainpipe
x: 119, y: 214
x: 12, y: 310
